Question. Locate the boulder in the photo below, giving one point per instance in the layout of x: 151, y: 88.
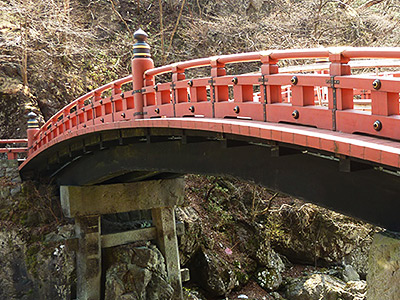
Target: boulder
x: 320, y: 286
x: 190, y: 241
x: 266, y: 256
x: 307, y: 234
x: 138, y: 273
x: 349, y: 274
x: 358, y: 258
x: 212, y: 273
x: 384, y: 267
x: 269, y: 279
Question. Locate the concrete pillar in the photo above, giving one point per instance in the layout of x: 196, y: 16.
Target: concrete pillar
x: 88, y: 257
x: 383, y: 278
x: 164, y: 221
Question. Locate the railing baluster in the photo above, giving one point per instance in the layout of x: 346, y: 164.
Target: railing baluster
x: 269, y: 67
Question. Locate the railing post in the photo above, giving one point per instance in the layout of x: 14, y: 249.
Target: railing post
x: 342, y: 98
x: 272, y: 93
x: 339, y: 98
x: 33, y: 128
x: 269, y: 93
x: 140, y: 63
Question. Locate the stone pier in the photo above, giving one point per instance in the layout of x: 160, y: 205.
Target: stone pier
x: 383, y: 278
x: 87, y: 203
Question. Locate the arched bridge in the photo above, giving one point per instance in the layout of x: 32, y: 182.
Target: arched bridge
x: 323, y: 132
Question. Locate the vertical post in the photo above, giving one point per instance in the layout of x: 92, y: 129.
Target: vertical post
x: 12, y: 155
x: 88, y: 257
x: 221, y: 92
x: 272, y: 93
x: 33, y: 128
x: 343, y: 98
x: 141, y: 62
x: 164, y: 221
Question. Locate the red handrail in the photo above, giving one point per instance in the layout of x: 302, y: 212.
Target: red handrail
x: 255, y: 96
x: 12, y: 153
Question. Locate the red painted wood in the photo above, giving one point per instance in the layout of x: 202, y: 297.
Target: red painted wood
x: 251, y: 97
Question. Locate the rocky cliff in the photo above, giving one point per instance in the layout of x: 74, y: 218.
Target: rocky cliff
x: 240, y: 240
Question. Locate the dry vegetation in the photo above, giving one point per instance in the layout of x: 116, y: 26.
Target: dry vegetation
x: 60, y: 49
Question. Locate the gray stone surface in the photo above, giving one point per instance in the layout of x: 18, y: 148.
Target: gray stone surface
x: 190, y: 241
x: 10, y: 181
x: 384, y: 267
x: 269, y: 279
x: 358, y: 258
x: 138, y: 273
x: 349, y: 274
x: 31, y: 272
x: 320, y: 286
x: 212, y: 273
x: 121, y: 197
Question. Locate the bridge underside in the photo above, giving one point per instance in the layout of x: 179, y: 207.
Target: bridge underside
x: 355, y: 187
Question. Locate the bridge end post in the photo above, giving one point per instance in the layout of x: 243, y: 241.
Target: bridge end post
x: 140, y: 63
x: 33, y: 128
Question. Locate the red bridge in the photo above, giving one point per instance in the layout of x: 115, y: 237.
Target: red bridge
x: 324, y: 132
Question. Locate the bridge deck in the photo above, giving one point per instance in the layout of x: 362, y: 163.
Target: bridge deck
x: 372, y: 149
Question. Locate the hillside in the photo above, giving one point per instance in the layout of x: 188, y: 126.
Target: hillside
x: 54, y: 51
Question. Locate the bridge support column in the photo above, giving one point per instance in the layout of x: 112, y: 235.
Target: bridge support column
x: 164, y: 221
x: 87, y: 203
x: 88, y: 257
x: 383, y: 279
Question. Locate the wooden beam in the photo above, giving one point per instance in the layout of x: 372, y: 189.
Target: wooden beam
x: 127, y: 237
x: 123, y: 197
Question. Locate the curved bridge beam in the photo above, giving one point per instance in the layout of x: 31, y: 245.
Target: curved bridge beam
x: 271, y: 155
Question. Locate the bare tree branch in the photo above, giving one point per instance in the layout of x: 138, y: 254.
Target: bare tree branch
x: 370, y: 3
x: 121, y: 18
x: 176, y: 27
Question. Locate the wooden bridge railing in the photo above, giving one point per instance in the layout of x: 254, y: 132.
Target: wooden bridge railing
x: 256, y: 96
x: 13, y: 152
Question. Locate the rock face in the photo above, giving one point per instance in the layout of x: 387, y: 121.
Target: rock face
x: 319, y: 286
x: 269, y: 277
x: 10, y: 182
x: 15, y: 283
x: 212, y: 273
x: 190, y: 241
x: 309, y: 234
x: 384, y: 268
x: 30, y: 269
x: 138, y: 273
x: 31, y: 272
